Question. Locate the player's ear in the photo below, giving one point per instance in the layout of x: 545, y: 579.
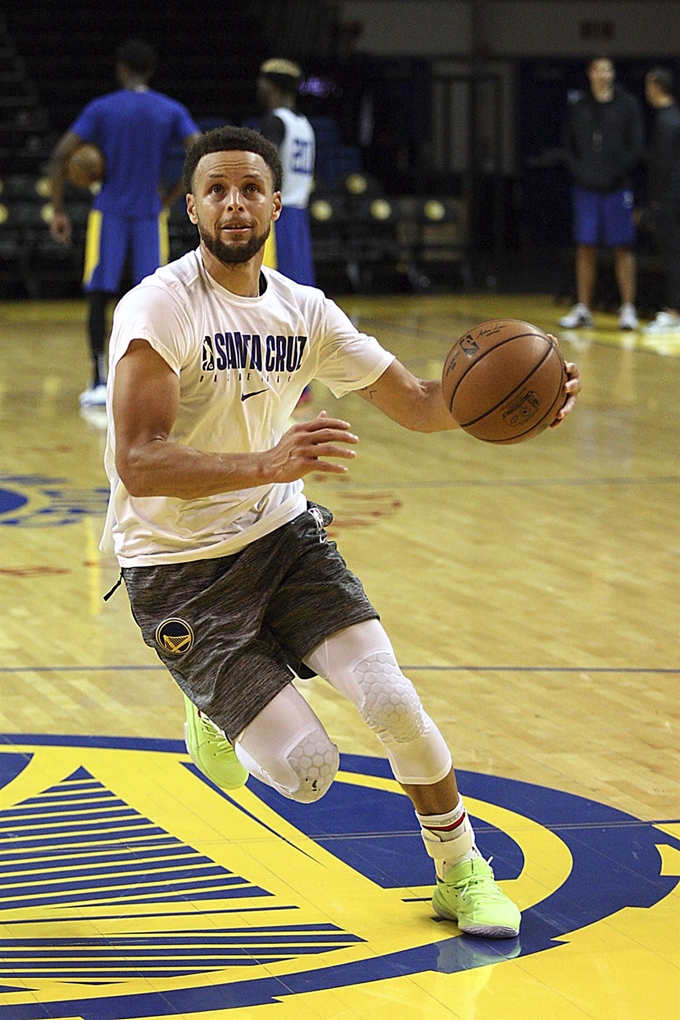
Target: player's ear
x: 191, y: 208
x: 276, y: 210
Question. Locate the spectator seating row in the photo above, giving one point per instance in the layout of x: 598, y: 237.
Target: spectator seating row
x: 358, y: 233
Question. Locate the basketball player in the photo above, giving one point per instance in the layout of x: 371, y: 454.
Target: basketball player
x: 227, y: 565
x: 289, y: 245
x: 135, y: 128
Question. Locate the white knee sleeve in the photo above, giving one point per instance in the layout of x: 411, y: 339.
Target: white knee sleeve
x: 287, y: 748
x: 314, y: 761
x: 421, y: 762
x: 359, y: 662
x: 390, y: 704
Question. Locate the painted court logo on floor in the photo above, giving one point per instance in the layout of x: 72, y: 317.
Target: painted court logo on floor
x: 132, y: 887
x: 36, y: 501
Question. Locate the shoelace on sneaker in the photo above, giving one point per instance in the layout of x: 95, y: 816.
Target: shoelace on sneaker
x: 465, y: 888
x: 215, y: 736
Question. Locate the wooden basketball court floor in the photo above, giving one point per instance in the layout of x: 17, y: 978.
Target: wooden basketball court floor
x: 531, y: 593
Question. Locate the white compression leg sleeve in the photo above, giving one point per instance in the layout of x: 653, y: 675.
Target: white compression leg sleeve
x: 359, y: 663
x: 287, y: 748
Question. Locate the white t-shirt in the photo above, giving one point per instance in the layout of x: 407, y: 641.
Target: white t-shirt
x: 242, y: 363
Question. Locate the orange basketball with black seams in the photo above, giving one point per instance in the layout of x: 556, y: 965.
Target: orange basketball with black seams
x: 503, y: 381
x: 86, y: 166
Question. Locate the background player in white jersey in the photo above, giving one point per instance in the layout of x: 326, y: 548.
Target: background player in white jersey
x: 228, y: 568
x: 289, y: 246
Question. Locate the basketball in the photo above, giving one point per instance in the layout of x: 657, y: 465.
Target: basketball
x: 85, y: 166
x: 503, y: 381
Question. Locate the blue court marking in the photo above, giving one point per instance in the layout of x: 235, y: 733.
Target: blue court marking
x: 55, y: 503
x: 10, y: 501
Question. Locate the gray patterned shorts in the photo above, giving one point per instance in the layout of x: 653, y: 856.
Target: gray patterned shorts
x: 230, y: 630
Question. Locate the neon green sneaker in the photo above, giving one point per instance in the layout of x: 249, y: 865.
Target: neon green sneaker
x: 210, y: 750
x: 468, y: 894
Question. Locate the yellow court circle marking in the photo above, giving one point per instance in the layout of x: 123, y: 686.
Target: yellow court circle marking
x: 547, y: 859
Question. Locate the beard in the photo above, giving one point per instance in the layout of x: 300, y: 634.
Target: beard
x: 233, y: 254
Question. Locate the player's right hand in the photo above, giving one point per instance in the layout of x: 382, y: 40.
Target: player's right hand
x: 60, y: 227
x: 305, y: 447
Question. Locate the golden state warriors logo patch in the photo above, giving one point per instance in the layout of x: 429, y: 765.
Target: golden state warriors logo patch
x: 174, y: 636
x: 132, y: 887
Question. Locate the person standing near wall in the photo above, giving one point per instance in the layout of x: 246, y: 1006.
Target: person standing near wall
x: 661, y: 214
x: 135, y: 128
x: 603, y: 144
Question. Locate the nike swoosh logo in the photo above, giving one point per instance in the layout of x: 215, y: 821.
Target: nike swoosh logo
x: 244, y: 396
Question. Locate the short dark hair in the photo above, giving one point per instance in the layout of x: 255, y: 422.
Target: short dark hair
x: 664, y: 78
x: 229, y: 139
x: 137, y: 56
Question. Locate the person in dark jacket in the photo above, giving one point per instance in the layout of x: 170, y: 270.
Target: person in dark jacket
x: 661, y: 214
x: 603, y: 144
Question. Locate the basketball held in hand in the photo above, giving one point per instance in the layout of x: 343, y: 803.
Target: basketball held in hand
x: 503, y: 381
x: 85, y: 166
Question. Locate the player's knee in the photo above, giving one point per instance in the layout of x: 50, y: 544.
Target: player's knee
x: 314, y: 761
x: 390, y: 704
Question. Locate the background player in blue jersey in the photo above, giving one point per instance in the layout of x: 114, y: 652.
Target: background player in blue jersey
x: 135, y: 127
